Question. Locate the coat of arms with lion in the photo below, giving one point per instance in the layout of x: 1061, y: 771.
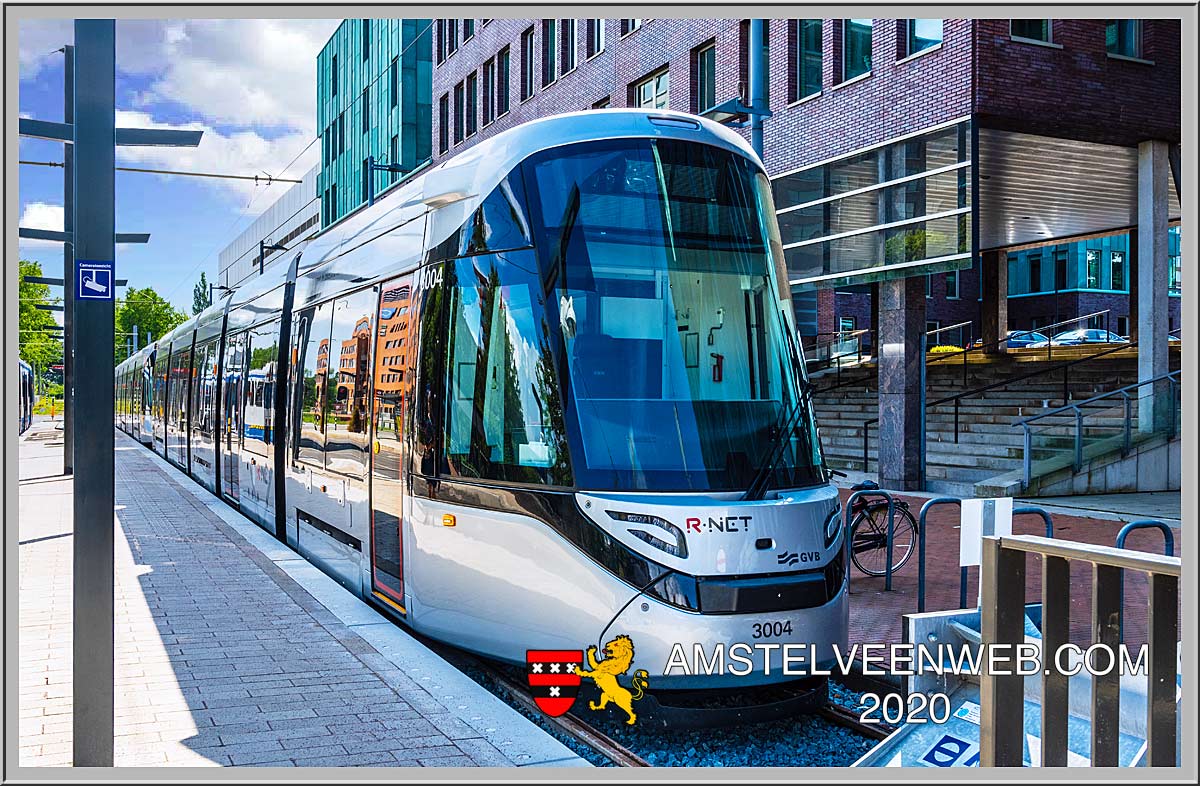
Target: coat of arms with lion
x: 618, y: 657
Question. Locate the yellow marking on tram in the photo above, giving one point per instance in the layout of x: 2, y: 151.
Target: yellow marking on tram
x: 390, y: 602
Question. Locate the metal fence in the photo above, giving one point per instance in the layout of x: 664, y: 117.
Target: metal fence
x: 1002, y: 720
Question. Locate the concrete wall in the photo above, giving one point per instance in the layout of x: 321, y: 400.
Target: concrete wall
x: 1152, y: 465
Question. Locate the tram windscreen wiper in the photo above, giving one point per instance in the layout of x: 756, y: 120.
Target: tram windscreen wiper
x: 792, y: 418
x: 558, y: 267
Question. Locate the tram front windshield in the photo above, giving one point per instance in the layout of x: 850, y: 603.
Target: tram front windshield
x: 658, y: 264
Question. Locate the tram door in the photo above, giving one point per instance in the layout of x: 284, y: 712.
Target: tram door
x: 229, y: 435
x: 394, y: 363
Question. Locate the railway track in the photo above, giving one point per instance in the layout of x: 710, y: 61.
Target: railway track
x: 610, y: 748
x: 846, y: 718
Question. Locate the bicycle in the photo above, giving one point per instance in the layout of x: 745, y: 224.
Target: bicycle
x: 868, y: 533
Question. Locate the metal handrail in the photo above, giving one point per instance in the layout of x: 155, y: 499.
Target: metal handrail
x: 1064, y: 367
x: 1076, y: 407
x: 921, y: 551
x: 1002, y: 720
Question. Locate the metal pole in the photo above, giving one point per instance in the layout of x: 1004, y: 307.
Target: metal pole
x: 758, y: 98
x: 92, y: 646
x: 68, y: 265
x: 136, y: 345
x: 1078, y: 439
x: 369, y: 174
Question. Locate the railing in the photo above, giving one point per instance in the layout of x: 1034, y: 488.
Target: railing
x: 833, y: 349
x: 1078, y: 408
x: 1065, y: 367
x: 943, y: 358
x: 1002, y: 689
x: 1168, y: 550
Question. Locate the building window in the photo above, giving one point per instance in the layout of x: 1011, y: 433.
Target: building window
x: 527, y: 64
x: 1030, y: 29
x: 928, y: 286
x: 652, y: 93
x: 444, y: 123
x: 549, y: 51
x: 366, y: 110
x: 366, y: 39
x: 952, y: 285
x: 394, y: 81
x: 1174, y: 274
x: 856, y: 48
x: 1060, y: 269
x: 808, y: 57
x: 458, y: 112
x: 341, y: 133
x: 468, y: 29
x: 706, y: 78
x: 847, y: 324
x: 570, y: 49
x: 923, y: 34
x: 472, y: 101
x: 394, y: 156
x: 1035, y: 272
x: 1123, y: 326
x: 603, y: 103
x: 1093, y: 268
x: 451, y: 36
x: 629, y: 25
x: 502, y: 82
x: 1124, y: 37
x: 489, y: 90
x: 1116, y: 270
x: 595, y: 37
x: 439, y: 35
x: 333, y: 71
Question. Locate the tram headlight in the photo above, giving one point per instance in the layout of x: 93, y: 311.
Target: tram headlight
x: 833, y: 525
x: 659, y: 533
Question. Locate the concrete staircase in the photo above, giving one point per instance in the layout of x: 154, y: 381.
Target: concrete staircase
x: 987, y: 445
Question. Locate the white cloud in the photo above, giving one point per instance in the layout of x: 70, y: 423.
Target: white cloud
x: 238, y: 72
x: 41, y: 215
x: 236, y: 153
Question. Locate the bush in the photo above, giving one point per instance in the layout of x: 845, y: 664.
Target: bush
x: 944, y: 348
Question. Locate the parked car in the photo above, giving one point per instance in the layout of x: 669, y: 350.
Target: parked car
x: 1072, y: 338
x: 1016, y: 339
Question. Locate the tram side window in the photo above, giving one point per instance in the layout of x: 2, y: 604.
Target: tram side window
x: 232, y: 368
x: 504, y: 418
x: 349, y: 384
x: 312, y: 383
x: 257, y: 415
x: 203, y: 390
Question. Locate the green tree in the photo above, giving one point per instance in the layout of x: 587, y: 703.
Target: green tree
x: 39, y: 346
x: 200, y: 295
x: 153, y: 316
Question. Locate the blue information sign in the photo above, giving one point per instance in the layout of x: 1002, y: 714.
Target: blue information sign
x: 94, y: 280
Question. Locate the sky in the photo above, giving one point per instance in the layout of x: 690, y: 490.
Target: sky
x: 249, y: 84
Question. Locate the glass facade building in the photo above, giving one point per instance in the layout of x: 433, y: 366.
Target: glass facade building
x: 374, y: 98
x: 1098, y: 264
x: 886, y: 212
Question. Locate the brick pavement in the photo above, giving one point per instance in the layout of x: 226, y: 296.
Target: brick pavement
x: 876, y: 615
x: 221, y: 657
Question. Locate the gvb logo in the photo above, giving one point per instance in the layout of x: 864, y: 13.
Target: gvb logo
x: 951, y: 752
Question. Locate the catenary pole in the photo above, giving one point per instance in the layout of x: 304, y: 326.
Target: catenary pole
x: 68, y: 264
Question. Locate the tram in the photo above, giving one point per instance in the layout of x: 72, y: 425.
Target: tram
x: 546, y: 393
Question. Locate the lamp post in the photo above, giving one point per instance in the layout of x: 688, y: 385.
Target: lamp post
x: 263, y: 247
x: 372, y: 168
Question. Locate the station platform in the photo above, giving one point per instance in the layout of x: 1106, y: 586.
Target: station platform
x: 876, y: 615
x: 232, y: 650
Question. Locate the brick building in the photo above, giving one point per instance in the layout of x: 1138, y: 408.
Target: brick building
x: 908, y: 157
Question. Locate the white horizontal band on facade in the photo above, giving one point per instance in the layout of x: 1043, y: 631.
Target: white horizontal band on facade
x: 879, y: 227
x: 876, y: 146
x: 865, y: 189
x: 882, y: 269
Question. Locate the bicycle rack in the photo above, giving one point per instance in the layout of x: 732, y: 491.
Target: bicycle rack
x: 921, y: 548
x: 887, y: 581
x: 1168, y: 549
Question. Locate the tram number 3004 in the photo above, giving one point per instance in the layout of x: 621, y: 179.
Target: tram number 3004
x: 770, y: 630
